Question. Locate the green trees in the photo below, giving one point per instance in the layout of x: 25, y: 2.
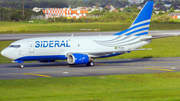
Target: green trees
x: 171, y: 9
x: 160, y: 12
x: 15, y: 17
x: 29, y: 4
x: 135, y: 9
x: 106, y: 17
x: 127, y: 9
x: 7, y: 14
x: 131, y: 9
x: 99, y: 3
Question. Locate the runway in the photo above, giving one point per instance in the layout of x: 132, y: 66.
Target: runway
x: 6, y: 37
x: 102, y: 67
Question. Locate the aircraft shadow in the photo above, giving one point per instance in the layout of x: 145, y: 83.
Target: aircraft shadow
x: 65, y: 64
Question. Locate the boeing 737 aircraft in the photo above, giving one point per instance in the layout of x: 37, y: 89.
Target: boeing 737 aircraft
x: 82, y: 49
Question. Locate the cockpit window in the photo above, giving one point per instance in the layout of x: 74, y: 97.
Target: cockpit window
x: 15, y: 46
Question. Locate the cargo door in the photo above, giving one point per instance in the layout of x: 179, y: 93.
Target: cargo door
x: 31, y: 48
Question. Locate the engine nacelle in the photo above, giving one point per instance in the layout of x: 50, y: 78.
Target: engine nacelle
x: 77, y: 58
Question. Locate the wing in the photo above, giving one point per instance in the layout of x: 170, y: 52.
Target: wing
x: 159, y: 36
x: 112, y: 53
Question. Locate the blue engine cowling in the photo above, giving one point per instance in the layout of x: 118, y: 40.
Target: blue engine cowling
x: 77, y: 58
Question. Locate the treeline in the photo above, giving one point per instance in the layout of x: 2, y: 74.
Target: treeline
x: 30, y: 4
x: 161, y: 6
x: 113, y: 17
x: 7, y: 14
x: 99, y: 3
x: 109, y: 17
x: 126, y: 16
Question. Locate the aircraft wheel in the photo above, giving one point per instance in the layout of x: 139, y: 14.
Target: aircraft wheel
x: 91, y: 63
x: 21, y: 66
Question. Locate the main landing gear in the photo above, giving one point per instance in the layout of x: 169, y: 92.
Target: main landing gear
x: 21, y: 66
x: 90, y: 63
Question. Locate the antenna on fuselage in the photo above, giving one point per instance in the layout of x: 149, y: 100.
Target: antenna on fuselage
x: 72, y: 35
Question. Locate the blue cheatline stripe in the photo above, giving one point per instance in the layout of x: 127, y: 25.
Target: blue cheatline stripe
x: 122, y: 32
x: 138, y: 30
x: 145, y: 13
x: 37, y: 58
x: 144, y: 33
x: 141, y: 25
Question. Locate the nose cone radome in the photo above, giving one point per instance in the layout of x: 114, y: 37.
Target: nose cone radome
x: 5, y: 53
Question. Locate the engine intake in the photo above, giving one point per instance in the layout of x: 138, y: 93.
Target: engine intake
x: 77, y: 58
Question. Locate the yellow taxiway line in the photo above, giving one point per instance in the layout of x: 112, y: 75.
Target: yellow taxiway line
x: 37, y: 74
x: 160, y: 69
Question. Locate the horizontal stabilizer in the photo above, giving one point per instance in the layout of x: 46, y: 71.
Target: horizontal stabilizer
x: 142, y: 49
x: 159, y: 36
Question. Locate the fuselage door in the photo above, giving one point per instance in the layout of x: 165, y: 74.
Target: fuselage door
x: 31, y: 48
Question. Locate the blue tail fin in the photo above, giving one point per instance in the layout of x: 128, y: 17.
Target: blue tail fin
x: 140, y: 26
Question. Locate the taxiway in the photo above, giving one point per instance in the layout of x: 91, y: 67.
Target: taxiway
x: 102, y: 67
x: 7, y: 37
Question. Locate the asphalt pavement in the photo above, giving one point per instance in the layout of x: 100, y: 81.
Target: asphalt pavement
x: 102, y: 67
x: 5, y: 37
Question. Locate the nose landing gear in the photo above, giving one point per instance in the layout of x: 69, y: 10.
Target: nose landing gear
x: 21, y: 66
x: 20, y: 63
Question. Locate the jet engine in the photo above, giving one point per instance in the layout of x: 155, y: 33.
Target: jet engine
x: 77, y: 58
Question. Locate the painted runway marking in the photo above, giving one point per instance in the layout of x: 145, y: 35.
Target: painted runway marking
x: 160, y: 69
x: 37, y: 75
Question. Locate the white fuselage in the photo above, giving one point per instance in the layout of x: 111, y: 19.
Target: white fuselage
x: 82, y: 49
x: 57, y: 48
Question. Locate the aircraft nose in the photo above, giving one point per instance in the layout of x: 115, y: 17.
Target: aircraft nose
x: 4, y: 52
x: 9, y: 53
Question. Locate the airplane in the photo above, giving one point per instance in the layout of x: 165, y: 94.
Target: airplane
x: 83, y: 49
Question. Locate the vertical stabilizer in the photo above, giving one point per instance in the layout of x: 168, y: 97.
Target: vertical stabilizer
x: 140, y: 26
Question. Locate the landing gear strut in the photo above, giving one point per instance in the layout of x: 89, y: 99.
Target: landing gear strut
x: 21, y: 66
x: 91, y: 63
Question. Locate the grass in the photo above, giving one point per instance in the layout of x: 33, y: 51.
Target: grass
x: 128, y: 87
x: 176, y: 20
x: 164, y: 47
x: 43, y: 27
x: 23, y: 27
x: 4, y: 44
